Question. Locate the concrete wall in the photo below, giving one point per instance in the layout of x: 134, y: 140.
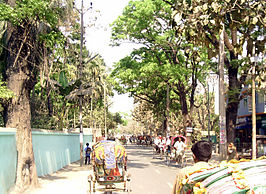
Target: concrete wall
x: 52, y: 151
x: 8, y: 160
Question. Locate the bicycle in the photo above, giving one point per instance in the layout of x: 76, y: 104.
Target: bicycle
x: 168, y: 156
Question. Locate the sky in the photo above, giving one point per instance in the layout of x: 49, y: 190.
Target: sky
x: 98, y: 40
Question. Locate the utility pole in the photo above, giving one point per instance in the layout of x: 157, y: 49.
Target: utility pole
x: 222, y: 115
x: 167, y: 111
x: 105, y: 128
x: 80, y: 77
x: 209, y: 119
x: 254, y: 139
x: 91, y: 121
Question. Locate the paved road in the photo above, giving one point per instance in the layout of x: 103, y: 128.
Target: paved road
x: 149, y: 175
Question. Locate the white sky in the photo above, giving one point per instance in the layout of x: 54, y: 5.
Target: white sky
x: 98, y: 40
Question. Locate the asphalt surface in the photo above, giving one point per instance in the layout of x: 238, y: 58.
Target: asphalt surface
x: 149, y: 174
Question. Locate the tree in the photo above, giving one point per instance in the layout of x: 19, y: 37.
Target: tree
x: 201, y: 21
x: 143, y: 113
x: 163, y: 60
x: 21, y: 60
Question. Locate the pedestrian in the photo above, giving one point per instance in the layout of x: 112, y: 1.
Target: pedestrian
x: 201, y: 152
x: 231, y: 152
x: 156, y: 144
x: 87, y: 154
x: 168, y: 145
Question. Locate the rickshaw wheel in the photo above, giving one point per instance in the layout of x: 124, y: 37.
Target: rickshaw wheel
x: 90, y: 183
x: 125, y: 186
x: 93, y: 186
x: 90, y: 189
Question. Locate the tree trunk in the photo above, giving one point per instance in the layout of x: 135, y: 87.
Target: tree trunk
x: 21, y: 79
x: 232, y: 106
x: 184, y: 108
x: 19, y: 117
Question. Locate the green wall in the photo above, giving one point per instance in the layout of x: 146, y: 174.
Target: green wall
x: 52, y: 151
x: 8, y: 160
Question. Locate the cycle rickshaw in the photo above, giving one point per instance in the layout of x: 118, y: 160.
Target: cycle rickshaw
x: 109, y: 162
x: 179, y: 157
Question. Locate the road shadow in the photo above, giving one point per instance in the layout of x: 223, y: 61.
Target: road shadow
x: 137, y: 165
x: 52, y: 177
x: 163, y: 163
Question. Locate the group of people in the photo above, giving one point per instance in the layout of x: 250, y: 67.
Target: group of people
x: 170, y: 146
x: 201, y: 151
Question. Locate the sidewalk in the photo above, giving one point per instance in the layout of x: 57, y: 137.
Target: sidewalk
x: 71, y: 179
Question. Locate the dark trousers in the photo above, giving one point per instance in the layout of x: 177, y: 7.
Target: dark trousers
x: 87, y: 160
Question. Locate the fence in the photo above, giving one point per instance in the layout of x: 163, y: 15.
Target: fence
x: 52, y: 151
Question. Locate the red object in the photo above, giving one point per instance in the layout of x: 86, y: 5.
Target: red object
x: 115, y: 172
x: 175, y: 139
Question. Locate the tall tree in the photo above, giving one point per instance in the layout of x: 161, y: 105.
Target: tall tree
x: 244, y: 22
x: 26, y: 21
x: 164, y: 58
x: 143, y: 113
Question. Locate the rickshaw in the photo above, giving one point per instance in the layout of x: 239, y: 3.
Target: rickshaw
x: 179, y: 157
x: 109, y: 162
x: 175, y: 139
x: 238, y: 177
x: 147, y: 140
x: 140, y: 140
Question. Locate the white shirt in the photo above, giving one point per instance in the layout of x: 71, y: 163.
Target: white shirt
x: 156, y: 141
x: 168, y: 142
x: 179, y: 145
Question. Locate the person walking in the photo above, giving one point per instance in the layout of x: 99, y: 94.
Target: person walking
x: 87, y: 154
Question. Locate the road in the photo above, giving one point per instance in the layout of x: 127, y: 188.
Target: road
x: 149, y: 175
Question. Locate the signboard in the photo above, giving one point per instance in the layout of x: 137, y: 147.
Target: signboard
x: 249, y: 103
x: 205, y: 133
x: 189, y: 129
x: 241, y: 120
x: 222, y: 130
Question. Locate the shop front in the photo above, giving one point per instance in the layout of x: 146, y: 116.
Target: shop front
x: 243, y: 135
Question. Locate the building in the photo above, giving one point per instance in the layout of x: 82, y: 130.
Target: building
x: 244, y: 123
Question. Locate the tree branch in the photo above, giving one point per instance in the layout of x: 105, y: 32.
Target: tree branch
x: 169, y: 3
x: 147, y: 100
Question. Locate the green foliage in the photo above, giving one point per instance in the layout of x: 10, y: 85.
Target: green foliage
x: 5, y: 95
x: 31, y: 10
x: 163, y: 59
x: 59, y: 54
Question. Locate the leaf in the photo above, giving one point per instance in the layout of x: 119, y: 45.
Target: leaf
x: 63, y: 80
x: 178, y: 17
x: 212, y: 22
x: 254, y: 20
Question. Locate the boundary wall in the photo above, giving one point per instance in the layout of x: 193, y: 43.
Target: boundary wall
x: 52, y: 151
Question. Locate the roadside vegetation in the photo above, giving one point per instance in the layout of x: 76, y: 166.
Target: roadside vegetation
x: 41, y: 85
